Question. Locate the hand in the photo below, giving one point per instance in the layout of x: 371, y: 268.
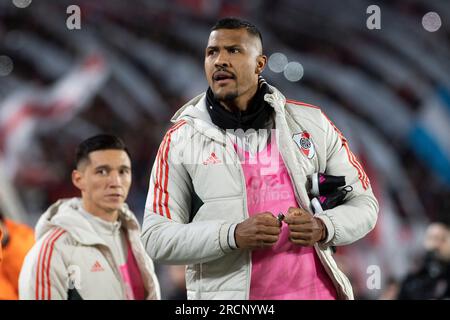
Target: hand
x: 259, y: 231
x: 304, y: 228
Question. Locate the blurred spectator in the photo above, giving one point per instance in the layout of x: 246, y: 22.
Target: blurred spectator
x: 435, y: 236
x: 432, y: 279
x: 391, y: 289
x: 1, y: 254
x: 17, y: 241
x: 178, y: 290
x: 445, y: 249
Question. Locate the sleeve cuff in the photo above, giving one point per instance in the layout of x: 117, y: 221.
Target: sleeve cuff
x: 226, y: 237
x: 231, y: 239
x: 330, y: 228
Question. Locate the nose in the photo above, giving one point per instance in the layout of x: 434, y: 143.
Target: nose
x: 115, y: 180
x: 222, y: 60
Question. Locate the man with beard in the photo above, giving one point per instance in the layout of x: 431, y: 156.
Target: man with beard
x: 217, y: 187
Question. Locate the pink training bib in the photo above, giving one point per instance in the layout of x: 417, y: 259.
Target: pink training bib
x: 285, y: 271
x: 131, y: 276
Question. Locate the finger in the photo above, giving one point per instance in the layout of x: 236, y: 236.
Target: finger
x: 269, y: 221
x: 302, y: 228
x: 262, y: 215
x: 267, y: 244
x: 271, y: 230
x: 297, y: 211
x: 303, y: 219
x: 269, y: 239
x: 266, y: 214
x: 301, y: 236
x: 303, y: 243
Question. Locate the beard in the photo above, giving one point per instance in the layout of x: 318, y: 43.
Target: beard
x: 226, y: 98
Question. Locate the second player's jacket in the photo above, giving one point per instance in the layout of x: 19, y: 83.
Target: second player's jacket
x: 71, y: 261
x: 197, y: 193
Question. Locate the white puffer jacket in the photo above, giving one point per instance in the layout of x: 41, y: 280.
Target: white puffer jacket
x: 69, y: 254
x: 197, y: 193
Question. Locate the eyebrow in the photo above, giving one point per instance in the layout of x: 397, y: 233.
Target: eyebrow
x: 105, y: 166
x: 226, y: 47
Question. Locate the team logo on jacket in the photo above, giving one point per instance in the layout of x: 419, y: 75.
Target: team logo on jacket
x: 304, y: 142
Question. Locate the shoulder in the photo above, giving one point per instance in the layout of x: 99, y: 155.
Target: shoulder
x: 56, y: 239
x: 177, y: 136
x: 302, y: 105
x: 302, y: 111
x: 49, y: 246
x: 177, y: 132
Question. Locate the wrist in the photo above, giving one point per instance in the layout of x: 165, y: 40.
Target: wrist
x: 323, y: 230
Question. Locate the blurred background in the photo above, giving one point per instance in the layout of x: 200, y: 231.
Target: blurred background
x: 132, y: 64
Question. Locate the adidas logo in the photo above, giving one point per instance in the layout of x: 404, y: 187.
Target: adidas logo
x: 212, y: 159
x: 97, y: 267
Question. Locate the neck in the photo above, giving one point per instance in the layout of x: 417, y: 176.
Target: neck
x: 109, y: 216
x: 242, y: 102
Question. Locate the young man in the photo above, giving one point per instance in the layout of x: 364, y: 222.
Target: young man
x: 89, y: 247
x: 216, y: 213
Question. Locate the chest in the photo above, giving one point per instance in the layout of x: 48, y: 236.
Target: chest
x: 222, y: 171
x: 93, y: 274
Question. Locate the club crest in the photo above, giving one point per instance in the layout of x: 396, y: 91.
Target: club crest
x: 304, y: 142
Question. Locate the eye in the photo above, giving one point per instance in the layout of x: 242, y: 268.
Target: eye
x: 102, y: 172
x: 234, y: 50
x: 210, y: 52
x: 124, y: 172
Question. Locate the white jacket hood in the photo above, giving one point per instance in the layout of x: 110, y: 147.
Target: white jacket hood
x: 65, y: 213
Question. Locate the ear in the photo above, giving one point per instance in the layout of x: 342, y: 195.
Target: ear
x: 261, y: 62
x: 77, y: 179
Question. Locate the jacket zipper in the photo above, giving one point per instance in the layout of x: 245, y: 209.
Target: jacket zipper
x: 115, y: 268
x: 245, y: 210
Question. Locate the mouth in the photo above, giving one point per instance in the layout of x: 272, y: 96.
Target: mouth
x: 223, y: 77
x: 114, y: 196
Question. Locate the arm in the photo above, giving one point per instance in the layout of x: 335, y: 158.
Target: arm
x: 357, y: 216
x: 167, y: 234
x: 44, y: 275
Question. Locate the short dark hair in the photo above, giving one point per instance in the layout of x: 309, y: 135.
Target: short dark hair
x: 98, y: 142
x: 236, y: 23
